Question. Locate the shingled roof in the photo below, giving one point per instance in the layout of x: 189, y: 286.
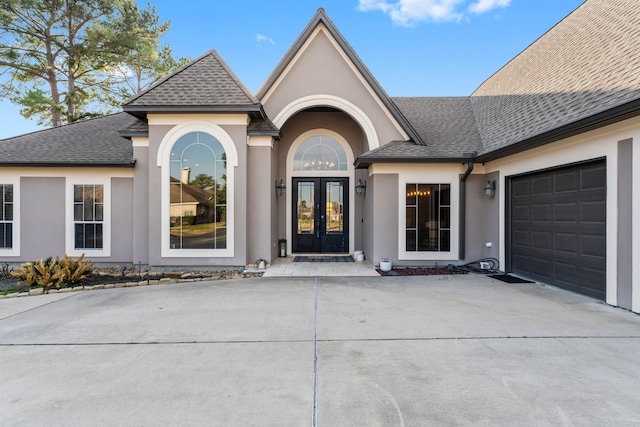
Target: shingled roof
x: 582, y: 74
x: 93, y: 142
x: 588, y: 64
x: 205, y: 84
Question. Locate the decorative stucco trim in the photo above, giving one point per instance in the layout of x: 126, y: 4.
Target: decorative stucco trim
x: 260, y: 141
x: 140, y: 141
x: 162, y: 161
x: 332, y: 101
x: 218, y: 119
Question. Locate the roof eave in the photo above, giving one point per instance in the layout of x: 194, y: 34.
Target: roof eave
x: 366, y: 162
x: 130, y: 164
x: 234, y: 108
x: 613, y: 115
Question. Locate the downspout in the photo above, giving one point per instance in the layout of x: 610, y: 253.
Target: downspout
x: 463, y: 206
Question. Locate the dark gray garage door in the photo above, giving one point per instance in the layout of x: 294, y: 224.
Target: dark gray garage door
x: 557, y: 226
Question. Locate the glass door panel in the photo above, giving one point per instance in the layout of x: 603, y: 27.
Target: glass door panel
x: 334, y: 207
x: 306, y: 207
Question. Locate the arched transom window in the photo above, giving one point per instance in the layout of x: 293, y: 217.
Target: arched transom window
x: 320, y: 152
x: 198, y: 193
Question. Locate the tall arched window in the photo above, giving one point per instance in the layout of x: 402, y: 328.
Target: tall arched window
x: 198, y: 193
x: 320, y: 152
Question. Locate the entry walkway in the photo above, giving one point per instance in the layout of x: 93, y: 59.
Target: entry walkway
x: 285, y: 267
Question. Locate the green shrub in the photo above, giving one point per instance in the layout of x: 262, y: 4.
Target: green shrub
x: 53, y: 274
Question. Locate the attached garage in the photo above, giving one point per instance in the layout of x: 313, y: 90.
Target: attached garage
x: 557, y: 227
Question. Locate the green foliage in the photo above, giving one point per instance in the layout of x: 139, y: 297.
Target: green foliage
x: 204, y: 181
x: 53, y: 274
x: 65, y: 60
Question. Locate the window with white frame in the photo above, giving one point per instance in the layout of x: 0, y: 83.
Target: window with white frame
x: 428, y: 217
x: 198, y: 193
x: 88, y: 216
x: 6, y: 216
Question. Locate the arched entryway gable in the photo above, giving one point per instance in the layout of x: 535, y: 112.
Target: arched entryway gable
x: 322, y: 180
x: 331, y: 101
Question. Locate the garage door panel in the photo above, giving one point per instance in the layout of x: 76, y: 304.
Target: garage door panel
x: 593, y: 211
x: 541, y: 213
x: 566, y: 242
x: 594, y: 177
x: 558, y: 227
x: 594, y: 246
x: 566, y: 182
x: 566, y: 273
x: 541, y: 240
x: 541, y: 186
x: 542, y: 267
x: 522, y: 213
x: 565, y: 212
x: 522, y: 189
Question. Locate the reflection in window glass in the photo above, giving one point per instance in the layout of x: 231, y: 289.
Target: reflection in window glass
x: 6, y: 216
x: 306, y: 203
x: 198, y: 193
x: 428, y: 213
x: 334, y: 208
x: 320, y: 153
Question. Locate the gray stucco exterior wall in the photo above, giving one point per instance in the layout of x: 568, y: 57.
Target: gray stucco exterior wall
x: 625, y: 224
x: 43, y: 217
x: 384, y: 230
x: 481, y: 219
x: 122, y: 220
x: 140, y: 202
x: 259, y: 198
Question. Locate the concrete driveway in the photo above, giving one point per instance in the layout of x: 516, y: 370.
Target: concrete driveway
x: 414, y: 351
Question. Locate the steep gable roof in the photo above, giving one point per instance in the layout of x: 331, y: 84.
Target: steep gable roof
x: 585, y: 70
x: 93, y: 142
x: 321, y: 18
x: 205, y: 84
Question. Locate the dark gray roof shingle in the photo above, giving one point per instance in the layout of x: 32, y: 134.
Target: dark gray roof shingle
x: 93, y: 142
x: 587, y: 64
x: 204, y: 84
x: 447, y: 125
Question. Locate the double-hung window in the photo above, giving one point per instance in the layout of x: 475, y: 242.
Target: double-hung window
x: 88, y: 216
x: 6, y: 216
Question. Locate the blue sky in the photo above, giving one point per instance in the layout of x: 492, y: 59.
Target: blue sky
x: 412, y: 47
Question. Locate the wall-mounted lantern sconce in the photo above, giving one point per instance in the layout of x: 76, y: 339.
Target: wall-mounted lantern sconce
x: 360, y: 187
x: 490, y: 189
x: 280, y: 188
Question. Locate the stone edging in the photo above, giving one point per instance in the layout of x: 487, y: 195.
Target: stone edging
x: 163, y: 281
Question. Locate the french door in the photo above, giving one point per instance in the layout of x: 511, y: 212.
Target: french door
x: 320, y: 215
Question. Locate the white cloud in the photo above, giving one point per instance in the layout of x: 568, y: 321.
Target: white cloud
x: 407, y: 13
x: 260, y: 38
x: 482, y: 6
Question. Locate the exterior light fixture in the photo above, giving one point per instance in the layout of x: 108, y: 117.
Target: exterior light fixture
x: 360, y: 187
x: 490, y: 189
x: 280, y: 188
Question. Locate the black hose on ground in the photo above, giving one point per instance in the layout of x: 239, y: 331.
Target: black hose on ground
x: 491, y: 266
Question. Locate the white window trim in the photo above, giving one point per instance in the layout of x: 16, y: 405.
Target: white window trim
x: 428, y: 177
x: 70, y: 249
x: 162, y: 161
x: 15, y: 249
